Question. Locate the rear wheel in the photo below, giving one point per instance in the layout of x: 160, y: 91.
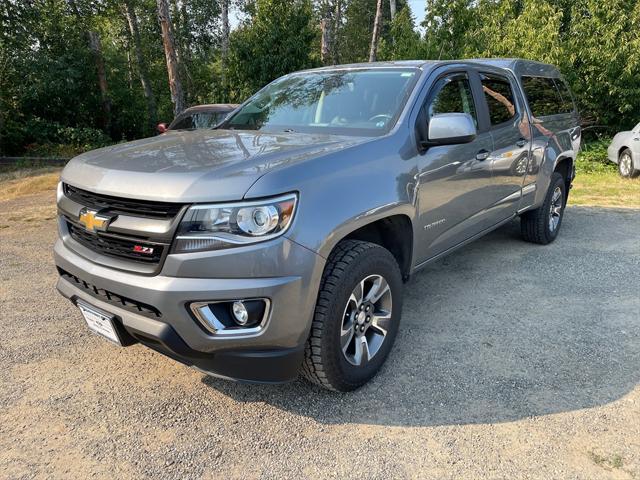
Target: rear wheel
x: 626, y: 168
x: 356, y: 318
x: 543, y: 224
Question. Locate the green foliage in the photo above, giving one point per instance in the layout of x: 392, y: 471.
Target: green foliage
x: 48, y: 74
x: 278, y: 40
x: 593, y: 158
x: 44, y: 138
x: 596, y: 44
x: 405, y: 42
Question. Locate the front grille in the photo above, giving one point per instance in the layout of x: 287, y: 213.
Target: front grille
x: 119, y: 205
x: 110, y: 297
x: 116, y: 246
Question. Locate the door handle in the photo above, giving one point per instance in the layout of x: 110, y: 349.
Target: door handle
x: 482, y: 155
x: 521, y: 143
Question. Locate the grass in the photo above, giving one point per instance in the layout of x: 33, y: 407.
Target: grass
x: 19, y: 183
x: 614, y: 461
x: 597, y: 181
x: 605, y: 189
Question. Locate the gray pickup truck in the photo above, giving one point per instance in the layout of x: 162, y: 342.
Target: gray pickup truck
x: 279, y: 242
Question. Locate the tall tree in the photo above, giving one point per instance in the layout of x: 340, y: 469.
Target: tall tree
x: 375, y: 37
x: 143, y: 72
x: 95, y: 45
x: 337, y: 30
x: 173, y: 68
x: 279, y: 38
x: 392, y: 8
x: 326, y: 24
x: 224, y: 34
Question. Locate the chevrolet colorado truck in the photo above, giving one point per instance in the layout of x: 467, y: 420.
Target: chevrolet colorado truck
x: 279, y: 242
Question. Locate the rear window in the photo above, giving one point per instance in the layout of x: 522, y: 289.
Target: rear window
x: 198, y: 120
x: 544, y: 96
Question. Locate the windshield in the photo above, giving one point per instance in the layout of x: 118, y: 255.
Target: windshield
x: 357, y: 102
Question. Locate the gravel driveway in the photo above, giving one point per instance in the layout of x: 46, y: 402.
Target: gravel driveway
x: 513, y: 361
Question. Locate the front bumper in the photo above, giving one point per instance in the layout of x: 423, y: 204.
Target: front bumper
x: 165, y: 323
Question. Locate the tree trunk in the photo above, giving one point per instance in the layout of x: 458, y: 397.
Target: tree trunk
x: 225, y: 30
x: 377, y: 24
x: 96, y: 48
x: 337, y: 19
x: 325, y: 26
x: 132, y: 20
x: 173, y: 69
x: 224, y: 47
x: 393, y: 7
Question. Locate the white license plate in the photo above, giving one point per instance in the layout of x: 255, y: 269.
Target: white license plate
x: 99, y: 322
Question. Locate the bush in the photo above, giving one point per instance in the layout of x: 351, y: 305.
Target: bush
x: 43, y: 138
x: 593, y: 158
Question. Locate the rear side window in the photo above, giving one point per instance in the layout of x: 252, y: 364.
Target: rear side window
x: 565, y: 94
x: 500, y: 99
x: 545, y: 98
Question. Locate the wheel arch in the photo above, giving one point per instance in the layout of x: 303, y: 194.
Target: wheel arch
x: 564, y: 165
x: 393, y: 232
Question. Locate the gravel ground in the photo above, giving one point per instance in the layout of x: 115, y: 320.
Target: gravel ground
x: 513, y: 361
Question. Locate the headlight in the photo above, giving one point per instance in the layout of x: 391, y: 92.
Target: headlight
x: 217, y: 226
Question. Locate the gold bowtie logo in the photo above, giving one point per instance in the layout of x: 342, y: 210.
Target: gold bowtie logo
x: 92, y: 221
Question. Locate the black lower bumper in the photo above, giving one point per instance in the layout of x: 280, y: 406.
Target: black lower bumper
x: 253, y: 366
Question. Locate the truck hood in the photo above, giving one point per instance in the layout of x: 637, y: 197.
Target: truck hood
x: 195, y: 166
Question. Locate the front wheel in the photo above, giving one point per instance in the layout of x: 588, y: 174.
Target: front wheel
x: 356, y: 317
x: 626, y: 168
x: 543, y: 224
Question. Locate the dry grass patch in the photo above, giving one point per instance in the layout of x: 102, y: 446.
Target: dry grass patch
x: 27, y: 182
x: 605, y: 189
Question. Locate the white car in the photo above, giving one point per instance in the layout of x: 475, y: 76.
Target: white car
x: 625, y: 151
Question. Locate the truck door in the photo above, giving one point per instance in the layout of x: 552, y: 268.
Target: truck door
x: 505, y: 111
x: 454, y: 181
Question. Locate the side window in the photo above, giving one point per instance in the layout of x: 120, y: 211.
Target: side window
x: 565, y: 94
x: 500, y: 99
x: 453, y: 95
x: 543, y: 96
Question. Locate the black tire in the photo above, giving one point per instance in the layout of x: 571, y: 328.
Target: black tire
x: 535, y: 224
x: 631, y: 171
x: 350, y: 262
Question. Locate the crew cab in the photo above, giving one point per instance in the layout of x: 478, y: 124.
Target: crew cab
x: 280, y: 241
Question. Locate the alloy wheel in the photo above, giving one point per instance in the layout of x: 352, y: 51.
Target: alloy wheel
x: 366, y: 320
x: 625, y: 165
x: 555, y: 210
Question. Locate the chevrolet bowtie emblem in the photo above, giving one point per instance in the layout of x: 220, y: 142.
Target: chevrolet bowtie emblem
x: 93, y: 221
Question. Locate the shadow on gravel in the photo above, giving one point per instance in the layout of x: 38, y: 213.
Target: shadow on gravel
x: 500, y: 331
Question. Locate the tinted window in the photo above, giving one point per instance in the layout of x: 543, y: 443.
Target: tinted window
x: 499, y: 97
x: 453, y: 95
x: 565, y: 94
x: 340, y: 101
x: 544, y: 97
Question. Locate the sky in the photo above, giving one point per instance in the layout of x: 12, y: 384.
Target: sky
x: 417, y: 8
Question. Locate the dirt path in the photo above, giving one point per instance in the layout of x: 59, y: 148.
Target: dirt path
x: 513, y: 361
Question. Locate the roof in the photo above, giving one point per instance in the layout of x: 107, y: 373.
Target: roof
x: 517, y: 65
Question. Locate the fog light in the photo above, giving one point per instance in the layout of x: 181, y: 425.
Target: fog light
x: 231, y: 317
x: 240, y: 313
